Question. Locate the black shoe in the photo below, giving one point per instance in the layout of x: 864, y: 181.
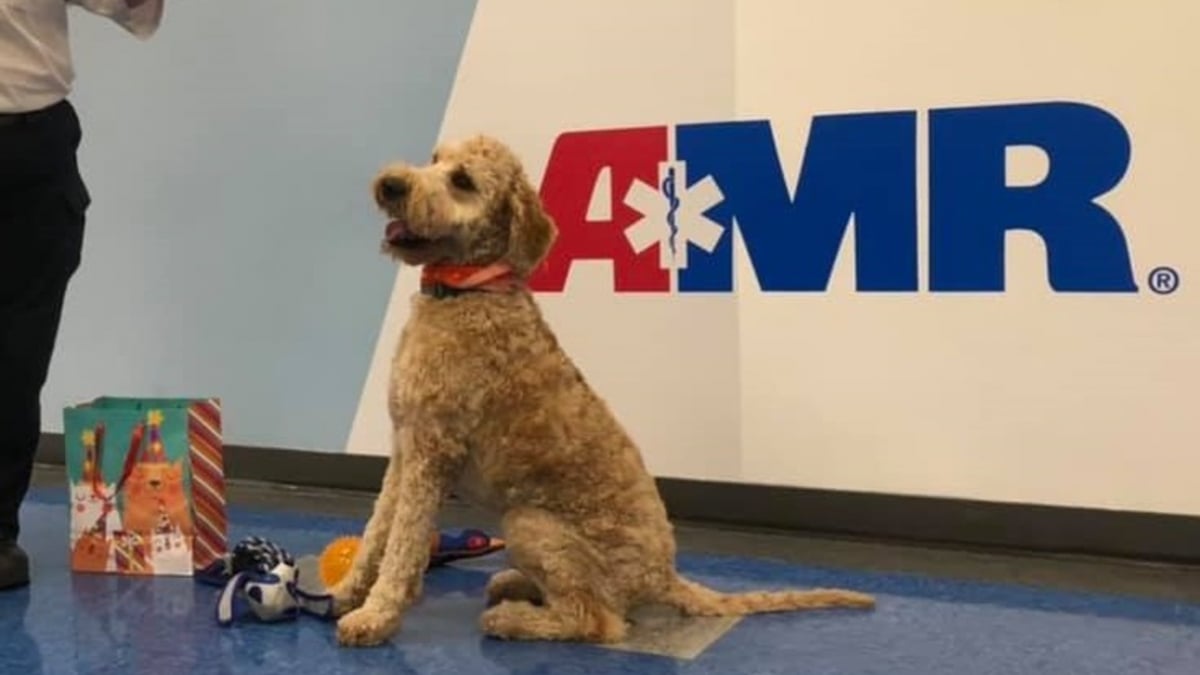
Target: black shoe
x: 14, y: 566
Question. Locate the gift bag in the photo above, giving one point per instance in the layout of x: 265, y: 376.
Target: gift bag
x: 147, y: 485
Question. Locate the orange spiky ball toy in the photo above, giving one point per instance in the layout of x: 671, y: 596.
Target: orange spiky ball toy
x: 337, y: 558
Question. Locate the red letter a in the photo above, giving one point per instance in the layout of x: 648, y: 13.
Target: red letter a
x: 571, y: 172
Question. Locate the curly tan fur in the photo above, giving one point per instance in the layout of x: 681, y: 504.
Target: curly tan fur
x: 484, y: 402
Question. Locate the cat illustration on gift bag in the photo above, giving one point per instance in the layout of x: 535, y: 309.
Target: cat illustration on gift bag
x: 155, y: 498
x: 94, y: 516
x: 152, y: 531
x: 91, y: 552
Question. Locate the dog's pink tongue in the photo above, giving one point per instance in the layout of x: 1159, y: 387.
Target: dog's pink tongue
x: 396, y: 230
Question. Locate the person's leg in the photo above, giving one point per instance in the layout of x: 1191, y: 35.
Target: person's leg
x: 42, y: 205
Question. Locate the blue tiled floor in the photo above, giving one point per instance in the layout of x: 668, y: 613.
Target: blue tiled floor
x: 97, y: 624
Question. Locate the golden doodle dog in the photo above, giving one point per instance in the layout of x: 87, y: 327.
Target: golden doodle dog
x: 484, y: 402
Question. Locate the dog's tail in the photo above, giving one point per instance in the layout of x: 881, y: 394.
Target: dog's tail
x: 693, y: 599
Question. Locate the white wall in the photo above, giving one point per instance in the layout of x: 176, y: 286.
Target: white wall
x: 1028, y: 395
x: 232, y: 246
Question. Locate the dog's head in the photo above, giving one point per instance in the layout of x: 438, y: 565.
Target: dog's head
x: 470, y: 205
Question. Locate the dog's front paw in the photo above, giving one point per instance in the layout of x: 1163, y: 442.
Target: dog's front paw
x: 346, y: 598
x: 366, y: 627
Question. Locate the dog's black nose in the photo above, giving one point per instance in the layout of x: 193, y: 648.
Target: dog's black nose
x: 392, y: 189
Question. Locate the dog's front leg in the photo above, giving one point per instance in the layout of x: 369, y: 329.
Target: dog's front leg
x: 430, y: 467
x: 350, y: 593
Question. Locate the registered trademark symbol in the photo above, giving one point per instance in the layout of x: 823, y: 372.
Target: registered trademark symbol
x: 1163, y: 280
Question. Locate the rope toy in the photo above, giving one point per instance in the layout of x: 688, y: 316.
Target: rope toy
x: 259, y: 578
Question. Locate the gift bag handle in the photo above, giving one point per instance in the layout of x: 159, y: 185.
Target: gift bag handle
x: 95, y: 455
x: 134, y: 454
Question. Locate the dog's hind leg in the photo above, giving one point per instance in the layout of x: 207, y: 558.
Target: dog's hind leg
x: 512, y: 584
x: 568, y: 573
x: 352, y: 590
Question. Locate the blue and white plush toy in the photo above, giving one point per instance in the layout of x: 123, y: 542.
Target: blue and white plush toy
x: 261, y: 579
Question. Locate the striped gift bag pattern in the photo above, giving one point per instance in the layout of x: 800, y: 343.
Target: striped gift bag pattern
x: 129, y: 553
x: 208, y: 481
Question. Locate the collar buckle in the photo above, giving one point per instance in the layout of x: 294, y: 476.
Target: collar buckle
x: 440, y: 291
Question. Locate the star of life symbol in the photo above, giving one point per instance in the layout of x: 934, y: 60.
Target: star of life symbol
x: 673, y: 215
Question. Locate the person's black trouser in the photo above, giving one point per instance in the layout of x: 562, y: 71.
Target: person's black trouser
x: 43, y: 200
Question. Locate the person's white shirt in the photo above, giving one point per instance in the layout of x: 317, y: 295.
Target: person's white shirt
x: 36, y: 70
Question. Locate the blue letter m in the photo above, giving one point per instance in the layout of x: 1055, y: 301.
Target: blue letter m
x: 854, y: 165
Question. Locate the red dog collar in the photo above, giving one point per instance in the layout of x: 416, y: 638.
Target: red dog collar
x: 448, y: 280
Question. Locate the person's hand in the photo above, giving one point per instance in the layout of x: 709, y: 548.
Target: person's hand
x: 134, y: 4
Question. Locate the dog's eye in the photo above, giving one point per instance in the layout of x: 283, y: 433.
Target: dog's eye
x: 461, y: 180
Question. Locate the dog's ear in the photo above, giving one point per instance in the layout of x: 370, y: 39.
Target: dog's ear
x: 532, y: 231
